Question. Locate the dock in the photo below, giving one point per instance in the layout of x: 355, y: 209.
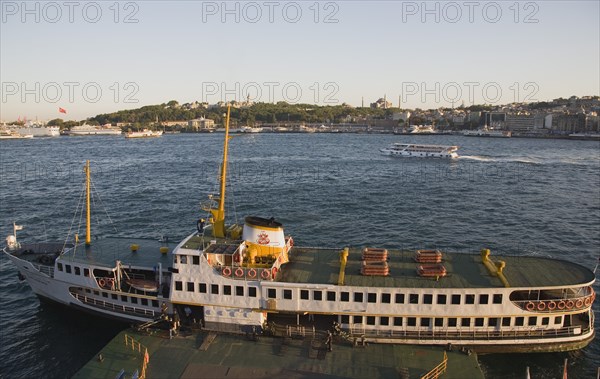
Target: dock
x: 210, y: 355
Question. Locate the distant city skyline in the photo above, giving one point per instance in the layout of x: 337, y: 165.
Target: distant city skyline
x: 93, y: 57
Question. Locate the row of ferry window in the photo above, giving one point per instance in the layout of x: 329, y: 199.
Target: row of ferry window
x: 77, y: 270
x: 183, y: 259
x: 358, y: 297
x: 451, y: 321
x: 124, y: 298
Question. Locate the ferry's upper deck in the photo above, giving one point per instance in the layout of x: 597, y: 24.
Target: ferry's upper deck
x: 315, y: 265
x: 105, y: 252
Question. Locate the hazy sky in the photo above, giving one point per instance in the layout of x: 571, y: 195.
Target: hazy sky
x: 99, y: 57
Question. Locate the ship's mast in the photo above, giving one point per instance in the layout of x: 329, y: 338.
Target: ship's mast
x: 219, y: 214
x: 88, y: 215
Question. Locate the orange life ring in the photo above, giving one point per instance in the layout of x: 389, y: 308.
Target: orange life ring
x: 561, y: 305
x: 570, y: 304
x: 101, y: 282
x: 110, y: 283
x: 579, y: 303
x: 541, y: 306
x: 252, y: 273
x: 551, y: 305
x: 588, y: 301
x: 291, y: 241
x: 265, y: 274
x: 239, y: 272
x: 226, y: 271
x: 530, y: 306
x: 274, y: 272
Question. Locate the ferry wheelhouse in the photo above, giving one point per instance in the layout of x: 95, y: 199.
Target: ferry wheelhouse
x: 420, y: 151
x: 252, y: 279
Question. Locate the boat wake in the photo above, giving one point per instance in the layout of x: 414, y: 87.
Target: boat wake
x: 499, y: 159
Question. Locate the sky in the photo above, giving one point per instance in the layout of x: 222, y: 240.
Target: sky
x: 99, y: 57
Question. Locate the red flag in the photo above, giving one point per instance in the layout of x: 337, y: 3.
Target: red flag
x: 62, y: 110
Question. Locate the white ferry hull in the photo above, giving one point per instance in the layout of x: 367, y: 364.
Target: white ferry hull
x: 59, y: 292
x: 393, y: 153
x: 44, y: 131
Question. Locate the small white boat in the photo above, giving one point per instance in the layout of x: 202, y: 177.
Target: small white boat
x: 487, y: 131
x: 249, y: 129
x: 13, y: 134
x: 420, y: 151
x: 144, y: 134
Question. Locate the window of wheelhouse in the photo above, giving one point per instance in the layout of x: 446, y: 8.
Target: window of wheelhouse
x: 386, y: 298
x: 358, y: 297
x: 345, y: 296
x: 484, y: 299
x: 86, y: 272
x: 195, y: 260
x: 77, y: 270
x: 144, y: 301
x: 441, y: 299
x: 68, y: 269
x: 497, y: 298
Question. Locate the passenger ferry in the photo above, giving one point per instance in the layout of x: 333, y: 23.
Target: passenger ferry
x: 420, y: 151
x: 93, y: 130
x: 144, y: 134
x: 488, y: 132
x: 251, y: 278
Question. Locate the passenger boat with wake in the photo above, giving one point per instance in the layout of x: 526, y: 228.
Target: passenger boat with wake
x: 252, y: 277
x: 420, y: 151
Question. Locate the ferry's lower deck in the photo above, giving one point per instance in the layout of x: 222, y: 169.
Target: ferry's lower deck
x: 530, y: 304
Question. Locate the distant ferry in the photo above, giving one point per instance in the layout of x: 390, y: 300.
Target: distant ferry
x: 37, y: 130
x: 249, y: 129
x: 488, y: 132
x: 422, y: 129
x: 92, y: 130
x: 425, y: 151
x: 144, y: 134
x: 13, y: 134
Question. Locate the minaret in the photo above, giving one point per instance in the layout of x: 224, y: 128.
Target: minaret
x: 384, y: 101
x: 363, y: 102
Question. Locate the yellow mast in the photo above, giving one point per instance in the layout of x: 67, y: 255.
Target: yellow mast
x: 219, y: 214
x: 88, y: 216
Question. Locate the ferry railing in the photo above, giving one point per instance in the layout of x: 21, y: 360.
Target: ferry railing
x: 437, y: 370
x: 48, y: 270
x: 115, y: 307
x: 135, y: 345
x: 556, y: 305
x: 470, y: 335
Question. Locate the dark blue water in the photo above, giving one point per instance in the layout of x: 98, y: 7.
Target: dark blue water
x: 516, y: 196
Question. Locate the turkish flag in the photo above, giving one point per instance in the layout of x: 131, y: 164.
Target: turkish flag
x: 62, y: 110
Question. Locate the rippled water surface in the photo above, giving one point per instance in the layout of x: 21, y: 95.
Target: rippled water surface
x: 516, y: 196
